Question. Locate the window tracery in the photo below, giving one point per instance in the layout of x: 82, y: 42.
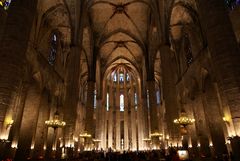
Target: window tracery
x: 95, y: 99
x: 121, y: 77
x: 231, y: 4
x: 53, y: 49
x: 115, y: 77
x: 5, y: 3
x: 127, y: 77
x: 188, y: 50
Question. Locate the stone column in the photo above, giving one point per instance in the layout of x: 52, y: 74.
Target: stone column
x: 103, y: 118
x: 126, y: 109
x: 192, y: 131
x: 89, y: 124
x: 110, y: 117
x: 118, y: 132
x: 13, y: 48
x: 100, y: 122
x: 49, y: 152
x: 145, y: 118
x: 153, y: 113
x: 133, y: 119
x: 9, y: 150
x: 70, y: 102
x: 41, y: 132
x: 201, y: 127
x: 169, y: 91
x: 140, y: 118
x: 224, y: 52
x: 214, y: 119
x: 29, y: 122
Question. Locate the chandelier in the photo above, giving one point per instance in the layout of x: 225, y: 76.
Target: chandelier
x: 96, y: 140
x: 55, y: 122
x: 85, y: 135
x: 184, y: 120
x: 146, y: 139
x: 156, y: 134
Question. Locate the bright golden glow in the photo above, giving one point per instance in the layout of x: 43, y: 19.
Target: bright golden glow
x: 226, y: 119
x: 155, y: 134
x: 55, y: 123
x: 96, y: 140
x: 85, y: 135
x: 14, y: 145
x: 146, y: 139
x: 183, y: 120
x: 167, y: 137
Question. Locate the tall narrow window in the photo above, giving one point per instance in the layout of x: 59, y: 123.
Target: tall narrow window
x: 115, y: 77
x: 107, y: 102
x: 121, y: 102
x: 231, y: 4
x: 148, y: 103
x: 188, y: 50
x: 121, y: 77
x: 127, y: 77
x: 95, y: 99
x: 135, y: 101
x: 158, y: 97
x: 5, y: 3
x: 53, y: 49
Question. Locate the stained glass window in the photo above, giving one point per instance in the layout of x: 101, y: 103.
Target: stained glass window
x: 5, y: 3
x: 188, y: 49
x: 121, y: 102
x: 127, y: 77
x: 53, y: 49
x: 121, y: 77
x: 231, y: 4
x: 115, y: 77
x: 148, y: 103
x: 107, y: 102
x: 158, y: 97
x: 135, y: 100
x: 95, y: 99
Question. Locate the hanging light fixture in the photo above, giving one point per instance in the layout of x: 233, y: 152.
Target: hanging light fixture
x: 184, y: 120
x: 55, y: 122
x: 85, y: 135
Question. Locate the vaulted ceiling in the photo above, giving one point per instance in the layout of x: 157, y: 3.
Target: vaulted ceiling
x: 120, y: 29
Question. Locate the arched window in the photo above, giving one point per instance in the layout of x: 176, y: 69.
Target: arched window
x: 53, y: 49
x: 135, y: 101
x: 188, y: 50
x: 127, y: 77
x: 95, y: 99
x: 148, y: 103
x: 231, y: 4
x: 121, y: 77
x: 5, y: 3
x: 121, y: 102
x: 107, y: 102
x: 115, y: 77
x: 158, y: 97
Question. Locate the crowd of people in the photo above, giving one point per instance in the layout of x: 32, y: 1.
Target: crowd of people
x: 127, y: 156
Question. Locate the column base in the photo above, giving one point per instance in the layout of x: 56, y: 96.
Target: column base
x: 235, y: 144
x: 155, y: 143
